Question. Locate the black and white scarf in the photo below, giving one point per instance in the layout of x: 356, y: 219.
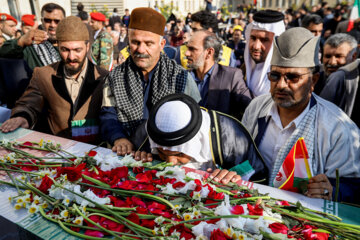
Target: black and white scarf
x: 126, y: 84
x: 47, y: 53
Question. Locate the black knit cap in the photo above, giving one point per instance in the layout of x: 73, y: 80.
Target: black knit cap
x: 268, y: 16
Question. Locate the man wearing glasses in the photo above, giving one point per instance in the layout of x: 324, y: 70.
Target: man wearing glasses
x: 37, y: 47
x: 291, y: 111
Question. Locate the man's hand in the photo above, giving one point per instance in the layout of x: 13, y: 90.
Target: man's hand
x: 14, y: 123
x: 33, y: 36
x: 223, y: 176
x: 319, y: 187
x: 123, y: 146
x: 143, y: 156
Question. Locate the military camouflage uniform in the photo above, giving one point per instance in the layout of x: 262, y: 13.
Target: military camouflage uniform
x: 102, y: 50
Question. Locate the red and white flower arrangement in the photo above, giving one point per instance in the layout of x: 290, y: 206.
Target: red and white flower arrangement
x: 101, y: 197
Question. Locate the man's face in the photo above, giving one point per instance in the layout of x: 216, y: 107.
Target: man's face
x: 290, y: 95
x: 334, y: 58
x: 73, y: 54
x: 50, y: 21
x: 177, y: 158
x: 195, y: 53
x: 117, y: 27
x: 8, y: 27
x: 145, y: 48
x: 237, y: 35
x: 260, y: 44
x: 315, y: 29
x: 25, y: 29
x: 96, y: 25
x: 196, y: 26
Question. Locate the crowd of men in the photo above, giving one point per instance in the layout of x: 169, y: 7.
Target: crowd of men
x: 138, y: 82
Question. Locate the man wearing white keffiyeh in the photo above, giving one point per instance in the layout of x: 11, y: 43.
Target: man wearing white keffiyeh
x: 259, y: 37
x: 292, y: 111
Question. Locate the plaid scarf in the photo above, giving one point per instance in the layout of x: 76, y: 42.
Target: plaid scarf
x: 47, y: 53
x: 126, y: 84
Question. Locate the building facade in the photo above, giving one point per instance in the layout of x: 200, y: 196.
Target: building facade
x: 285, y: 4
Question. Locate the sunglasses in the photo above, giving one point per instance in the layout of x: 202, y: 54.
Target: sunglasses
x: 49, y: 20
x: 291, y: 77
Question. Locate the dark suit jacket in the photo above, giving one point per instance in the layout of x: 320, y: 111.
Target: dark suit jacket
x: 228, y: 92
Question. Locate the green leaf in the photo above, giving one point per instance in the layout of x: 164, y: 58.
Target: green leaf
x: 321, y: 230
x: 178, y: 201
x: 290, y: 222
x: 298, y: 204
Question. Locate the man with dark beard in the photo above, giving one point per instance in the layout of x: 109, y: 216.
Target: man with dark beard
x: 69, y: 92
x: 291, y: 112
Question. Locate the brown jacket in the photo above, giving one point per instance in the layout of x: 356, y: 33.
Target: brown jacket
x: 47, y: 91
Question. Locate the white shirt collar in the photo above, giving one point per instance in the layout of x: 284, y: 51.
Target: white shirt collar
x: 7, y: 37
x: 97, y: 33
x: 274, y: 114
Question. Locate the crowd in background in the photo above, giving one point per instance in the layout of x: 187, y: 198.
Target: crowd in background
x: 333, y: 19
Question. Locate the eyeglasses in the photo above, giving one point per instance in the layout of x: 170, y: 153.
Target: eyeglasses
x: 49, y: 20
x: 291, y: 77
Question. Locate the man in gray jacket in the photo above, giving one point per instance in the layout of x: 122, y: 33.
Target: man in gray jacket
x: 342, y: 89
x: 292, y: 111
x: 221, y: 88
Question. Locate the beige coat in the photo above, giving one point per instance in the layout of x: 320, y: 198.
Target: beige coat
x: 47, y: 96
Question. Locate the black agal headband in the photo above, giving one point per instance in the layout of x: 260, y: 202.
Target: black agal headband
x: 180, y: 136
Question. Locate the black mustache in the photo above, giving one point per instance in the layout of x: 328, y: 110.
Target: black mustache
x: 282, y: 91
x: 72, y: 61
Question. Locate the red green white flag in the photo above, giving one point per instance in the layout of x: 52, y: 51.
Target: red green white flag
x: 355, y: 14
x: 295, y: 169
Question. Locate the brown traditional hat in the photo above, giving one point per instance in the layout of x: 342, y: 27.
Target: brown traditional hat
x: 72, y: 29
x: 296, y: 47
x: 147, y: 19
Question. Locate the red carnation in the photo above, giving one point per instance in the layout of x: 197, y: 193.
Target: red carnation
x: 134, y: 218
x: 156, y: 205
x: 283, y: 203
x: 28, y: 144
x: 148, y: 223
x: 237, y: 210
x: 185, y: 233
x: 145, y: 177
x: 137, y: 170
x: 278, y: 228
x: 92, y: 153
x: 310, y: 235
x: 73, y: 173
x: 217, y: 234
x: 94, y: 233
x: 178, y: 185
x: 257, y: 210
x: 209, y: 201
x: 119, y: 172
x: 45, y: 185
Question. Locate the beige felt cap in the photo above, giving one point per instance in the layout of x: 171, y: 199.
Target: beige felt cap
x: 296, y: 47
x: 72, y: 29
